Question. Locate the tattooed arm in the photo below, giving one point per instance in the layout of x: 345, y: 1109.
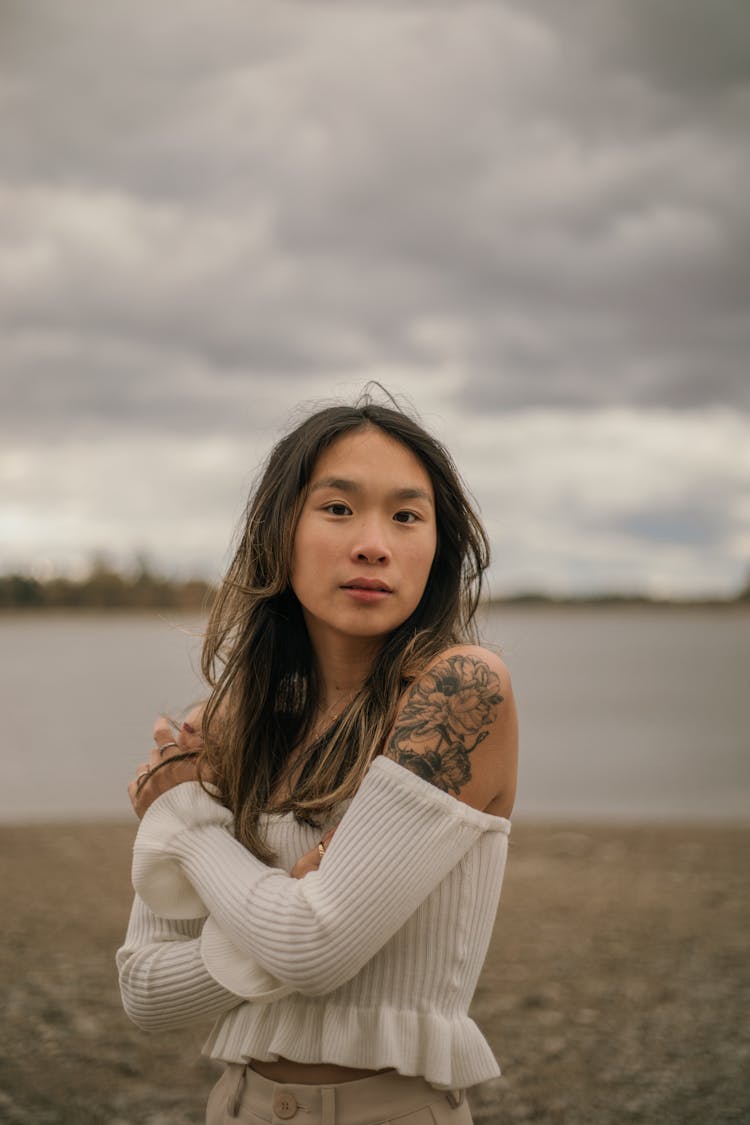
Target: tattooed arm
x: 457, y: 728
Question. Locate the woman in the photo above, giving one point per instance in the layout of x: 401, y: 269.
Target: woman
x: 327, y: 888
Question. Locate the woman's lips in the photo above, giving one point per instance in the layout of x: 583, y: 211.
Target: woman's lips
x: 367, y: 591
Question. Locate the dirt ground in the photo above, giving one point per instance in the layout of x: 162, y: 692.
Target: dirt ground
x: 617, y: 987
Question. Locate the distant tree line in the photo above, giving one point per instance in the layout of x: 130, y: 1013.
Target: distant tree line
x: 104, y: 588
x: 107, y: 588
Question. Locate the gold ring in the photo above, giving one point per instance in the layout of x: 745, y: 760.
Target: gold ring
x: 321, y: 849
x: 166, y: 746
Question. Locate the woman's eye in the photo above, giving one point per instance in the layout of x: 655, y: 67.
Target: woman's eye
x: 406, y: 517
x: 338, y: 509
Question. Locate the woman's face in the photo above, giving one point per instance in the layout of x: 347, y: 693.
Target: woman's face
x: 365, y: 539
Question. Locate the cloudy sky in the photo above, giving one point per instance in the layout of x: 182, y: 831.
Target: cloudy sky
x: 530, y: 218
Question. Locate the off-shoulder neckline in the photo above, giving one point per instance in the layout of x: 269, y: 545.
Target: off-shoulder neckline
x: 481, y: 818
x: 403, y: 776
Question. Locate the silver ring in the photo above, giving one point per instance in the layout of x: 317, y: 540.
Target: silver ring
x: 166, y: 746
x: 142, y: 773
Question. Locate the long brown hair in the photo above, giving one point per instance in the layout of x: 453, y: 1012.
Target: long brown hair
x: 257, y: 655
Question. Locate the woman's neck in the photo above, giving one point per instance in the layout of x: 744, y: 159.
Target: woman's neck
x: 343, y: 668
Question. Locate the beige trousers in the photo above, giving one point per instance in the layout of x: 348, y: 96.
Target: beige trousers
x: 244, y: 1097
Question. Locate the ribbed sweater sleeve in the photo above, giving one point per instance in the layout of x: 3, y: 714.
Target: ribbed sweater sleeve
x: 398, y: 839
x: 163, y: 981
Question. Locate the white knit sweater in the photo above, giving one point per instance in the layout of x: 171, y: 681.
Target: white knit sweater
x: 370, y: 962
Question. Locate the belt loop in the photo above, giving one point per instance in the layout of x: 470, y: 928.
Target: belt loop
x: 327, y: 1105
x: 455, y: 1098
x: 235, y: 1099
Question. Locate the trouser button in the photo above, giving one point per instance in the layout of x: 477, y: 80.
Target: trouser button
x: 285, y: 1106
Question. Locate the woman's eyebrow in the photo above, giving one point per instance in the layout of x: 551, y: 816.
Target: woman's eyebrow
x: 342, y: 485
x: 411, y: 494
x: 337, y: 483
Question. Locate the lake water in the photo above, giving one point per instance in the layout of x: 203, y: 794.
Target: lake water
x: 628, y: 714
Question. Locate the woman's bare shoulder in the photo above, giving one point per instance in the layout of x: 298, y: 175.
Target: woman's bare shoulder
x: 466, y: 660
x: 456, y: 727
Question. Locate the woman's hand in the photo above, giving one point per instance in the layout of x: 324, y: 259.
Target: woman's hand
x: 168, y: 765
x: 310, y: 861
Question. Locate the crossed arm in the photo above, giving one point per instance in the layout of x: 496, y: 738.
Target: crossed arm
x: 455, y: 730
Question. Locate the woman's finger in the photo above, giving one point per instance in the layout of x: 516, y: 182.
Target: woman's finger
x: 310, y: 861
x: 162, y: 730
x: 142, y: 773
x: 160, y: 777
x: 166, y: 743
x: 161, y: 753
x: 190, y: 736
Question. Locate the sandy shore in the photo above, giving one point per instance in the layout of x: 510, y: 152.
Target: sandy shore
x: 617, y: 988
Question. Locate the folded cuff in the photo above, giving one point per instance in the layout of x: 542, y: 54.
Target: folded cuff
x: 236, y: 970
x: 157, y: 874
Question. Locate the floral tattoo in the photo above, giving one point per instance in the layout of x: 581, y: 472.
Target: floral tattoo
x: 447, y: 714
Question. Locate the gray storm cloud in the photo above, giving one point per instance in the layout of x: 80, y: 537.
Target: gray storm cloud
x: 508, y: 211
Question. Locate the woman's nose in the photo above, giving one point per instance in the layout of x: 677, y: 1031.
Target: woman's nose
x: 371, y: 545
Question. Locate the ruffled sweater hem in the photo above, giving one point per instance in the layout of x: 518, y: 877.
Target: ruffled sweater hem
x: 448, y: 1053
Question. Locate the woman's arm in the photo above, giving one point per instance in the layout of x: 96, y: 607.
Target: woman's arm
x: 163, y: 978
x: 401, y: 835
x: 163, y: 981
x: 457, y: 728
